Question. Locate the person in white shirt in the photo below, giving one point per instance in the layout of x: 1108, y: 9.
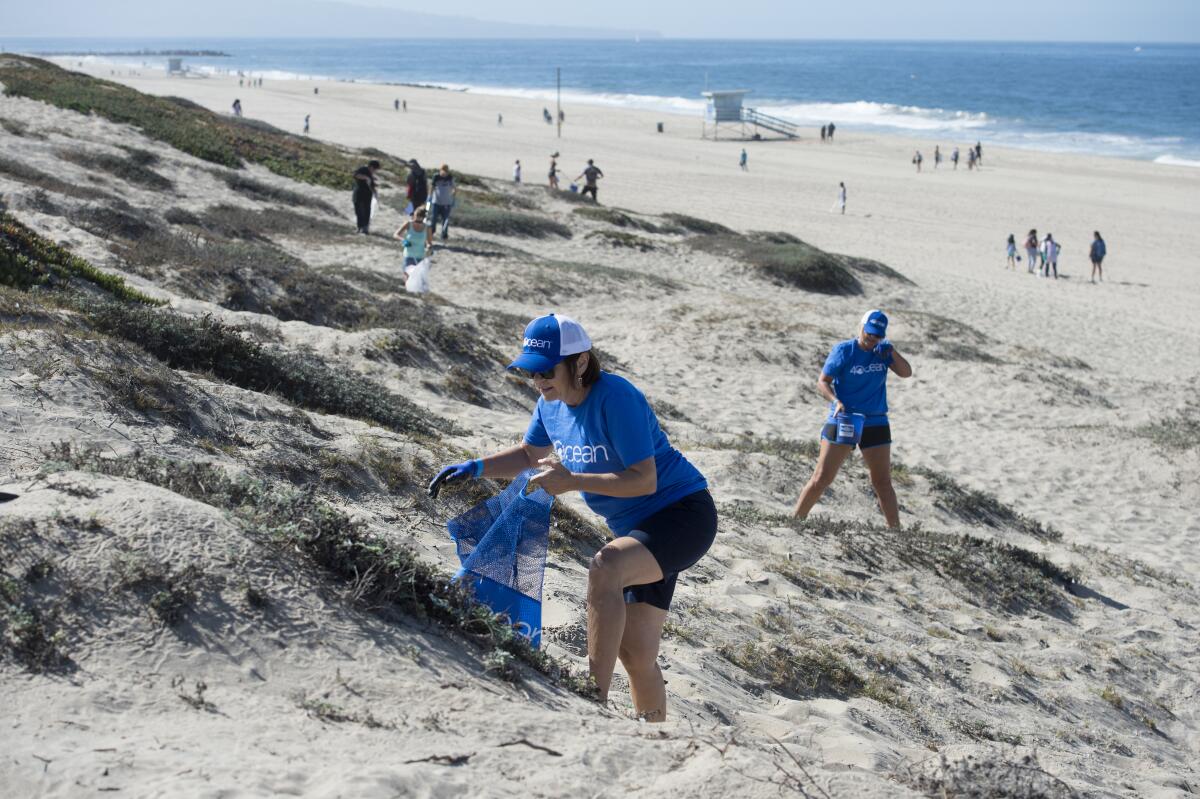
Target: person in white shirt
x: 517, y: 171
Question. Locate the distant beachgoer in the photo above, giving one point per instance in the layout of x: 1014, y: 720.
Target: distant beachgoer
x: 1050, y: 249
x: 1031, y: 251
x: 237, y: 108
x: 444, y: 192
x: 970, y: 158
x: 316, y: 90
x: 596, y: 433
x: 954, y: 158
x: 823, y: 129
x: 404, y: 105
x: 396, y: 104
x: 917, y: 159
x: 499, y: 120
x: 1098, y: 251
x: 562, y: 115
x: 590, y: 174
x: 937, y: 156
x: 841, y: 198
x: 978, y: 154
x: 1012, y: 251
x: 364, y: 193
x: 553, y: 172
x: 418, y: 184
x: 742, y: 160
x: 306, y: 119
x: 517, y: 171
x: 854, y: 381
x: 549, y: 120
x: 831, y: 128
x: 418, y: 244
x: 240, y: 80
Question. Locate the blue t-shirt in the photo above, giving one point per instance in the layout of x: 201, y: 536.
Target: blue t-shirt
x: 612, y: 429
x: 859, y: 381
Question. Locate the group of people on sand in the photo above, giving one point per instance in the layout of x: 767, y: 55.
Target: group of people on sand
x: 429, y: 204
x: 1041, y: 256
x: 974, y: 157
x: 594, y: 432
x: 590, y: 176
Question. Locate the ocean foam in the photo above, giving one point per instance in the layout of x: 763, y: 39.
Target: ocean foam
x: 1174, y: 160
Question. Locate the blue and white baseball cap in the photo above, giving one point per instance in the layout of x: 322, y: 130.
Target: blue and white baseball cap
x: 874, y: 322
x: 548, y: 339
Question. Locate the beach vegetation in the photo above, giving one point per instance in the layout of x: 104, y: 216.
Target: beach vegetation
x: 132, y: 168
x: 114, y: 220
x: 187, y: 126
x: 797, y: 669
x: 263, y: 192
x: 16, y: 127
x: 32, y: 176
x: 387, y: 576
x: 504, y: 222
x: 28, y: 259
x: 788, y: 262
x: 29, y: 634
x: 1180, y: 432
x: 234, y: 222
x: 622, y: 219
x: 692, y: 224
x: 985, y: 774
x: 622, y: 239
x: 980, y: 507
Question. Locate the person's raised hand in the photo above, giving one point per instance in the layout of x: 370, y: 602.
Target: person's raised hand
x: 884, y: 350
x: 555, y: 480
x: 467, y: 470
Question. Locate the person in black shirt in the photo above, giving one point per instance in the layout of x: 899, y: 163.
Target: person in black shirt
x: 418, y: 184
x: 364, y: 193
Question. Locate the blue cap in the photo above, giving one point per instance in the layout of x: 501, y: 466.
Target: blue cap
x: 547, y: 340
x: 874, y: 322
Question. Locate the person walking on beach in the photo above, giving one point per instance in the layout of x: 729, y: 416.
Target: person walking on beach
x: 1097, y: 253
x: 517, y: 171
x: 954, y: 159
x: 364, y: 193
x: 1012, y: 251
x: 1031, y: 251
x: 444, y: 193
x: 499, y: 120
x: 823, y: 134
x: 854, y: 381
x: 404, y: 105
x: 595, y: 433
x: 553, y: 175
x: 978, y: 154
x: 396, y: 104
x: 1050, y: 256
x: 831, y: 131
x: 549, y: 120
x: 937, y: 156
x: 307, y: 117
x: 237, y: 108
x: 590, y: 174
x: 917, y: 159
x: 970, y: 158
x: 742, y: 160
x: 841, y: 198
x: 418, y: 243
x: 418, y: 185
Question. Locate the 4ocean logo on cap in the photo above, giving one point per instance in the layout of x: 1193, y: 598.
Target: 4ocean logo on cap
x: 537, y: 343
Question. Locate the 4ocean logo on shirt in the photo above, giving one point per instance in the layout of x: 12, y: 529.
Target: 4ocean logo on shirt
x: 862, y: 370
x: 575, y: 453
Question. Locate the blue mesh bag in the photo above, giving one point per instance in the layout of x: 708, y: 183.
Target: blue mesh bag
x: 502, y: 547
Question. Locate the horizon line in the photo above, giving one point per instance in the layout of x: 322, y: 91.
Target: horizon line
x: 653, y: 36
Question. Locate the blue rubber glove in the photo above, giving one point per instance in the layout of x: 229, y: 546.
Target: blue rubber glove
x: 467, y: 470
x: 884, y: 350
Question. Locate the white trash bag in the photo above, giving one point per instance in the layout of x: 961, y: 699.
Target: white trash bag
x: 418, y: 278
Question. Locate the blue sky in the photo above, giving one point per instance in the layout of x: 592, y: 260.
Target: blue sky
x: 1136, y: 21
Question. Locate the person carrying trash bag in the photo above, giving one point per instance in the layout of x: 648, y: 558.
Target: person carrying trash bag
x: 854, y: 380
x: 594, y: 432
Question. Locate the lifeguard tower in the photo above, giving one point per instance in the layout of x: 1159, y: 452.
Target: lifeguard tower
x: 724, y: 112
x: 174, y: 67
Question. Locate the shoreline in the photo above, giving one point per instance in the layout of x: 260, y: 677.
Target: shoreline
x: 1055, y: 143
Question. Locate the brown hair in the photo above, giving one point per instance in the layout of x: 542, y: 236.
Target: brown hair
x: 591, y: 372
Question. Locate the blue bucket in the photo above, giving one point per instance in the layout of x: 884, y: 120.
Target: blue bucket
x: 849, y: 427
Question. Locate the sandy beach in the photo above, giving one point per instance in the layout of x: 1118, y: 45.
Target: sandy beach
x: 1044, y: 393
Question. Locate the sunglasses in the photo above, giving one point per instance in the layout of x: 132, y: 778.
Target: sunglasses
x: 528, y: 375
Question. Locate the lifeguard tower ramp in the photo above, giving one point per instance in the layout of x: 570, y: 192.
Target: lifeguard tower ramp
x: 725, y: 114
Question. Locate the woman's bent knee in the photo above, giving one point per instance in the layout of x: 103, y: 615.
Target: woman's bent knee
x: 604, y: 569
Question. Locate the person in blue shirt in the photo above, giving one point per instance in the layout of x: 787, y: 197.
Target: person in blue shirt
x: 1098, y: 251
x: 595, y: 433
x: 854, y: 380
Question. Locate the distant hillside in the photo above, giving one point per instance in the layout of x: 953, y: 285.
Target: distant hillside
x: 269, y: 18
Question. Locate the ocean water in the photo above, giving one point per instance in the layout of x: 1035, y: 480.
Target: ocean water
x: 1109, y: 99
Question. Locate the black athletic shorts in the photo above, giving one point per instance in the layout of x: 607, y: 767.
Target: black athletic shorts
x: 876, y: 436
x: 677, y: 536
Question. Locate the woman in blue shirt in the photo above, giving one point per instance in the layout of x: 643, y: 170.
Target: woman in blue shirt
x: 854, y: 380
x: 595, y: 433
